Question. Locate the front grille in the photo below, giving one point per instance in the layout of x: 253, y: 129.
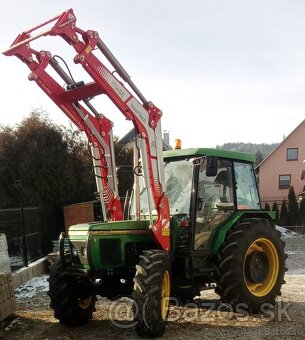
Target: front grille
x: 110, y: 251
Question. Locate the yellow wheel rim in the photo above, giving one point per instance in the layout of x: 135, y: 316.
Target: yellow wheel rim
x: 264, y: 249
x: 84, y: 303
x: 165, y: 290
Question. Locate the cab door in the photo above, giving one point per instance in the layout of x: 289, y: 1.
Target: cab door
x: 214, y: 201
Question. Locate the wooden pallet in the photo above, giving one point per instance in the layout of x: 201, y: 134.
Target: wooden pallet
x: 7, y: 296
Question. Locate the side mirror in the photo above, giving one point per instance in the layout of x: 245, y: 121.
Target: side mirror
x: 212, y: 166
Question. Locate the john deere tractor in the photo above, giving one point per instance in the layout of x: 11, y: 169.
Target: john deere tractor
x: 194, y: 219
x: 220, y: 238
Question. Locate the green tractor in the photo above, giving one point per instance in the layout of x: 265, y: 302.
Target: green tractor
x: 193, y: 222
x: 220, y: 238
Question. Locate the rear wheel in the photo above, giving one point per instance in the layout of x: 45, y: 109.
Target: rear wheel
x: 70, y: 308
x: 251, y: 265
x: 151, y: 294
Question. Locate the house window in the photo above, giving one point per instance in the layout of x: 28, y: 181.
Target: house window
x: 292, y: 154
x: 284, y: 181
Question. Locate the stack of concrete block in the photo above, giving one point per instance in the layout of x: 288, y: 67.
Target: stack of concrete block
x: 7, y: 293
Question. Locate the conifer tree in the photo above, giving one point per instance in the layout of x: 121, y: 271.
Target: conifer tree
x: 276, y: 209
x: 292, y: 208
x: 283, y: 213
x: 302, y: 211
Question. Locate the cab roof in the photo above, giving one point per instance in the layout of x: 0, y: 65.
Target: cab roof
x: 197, y: 152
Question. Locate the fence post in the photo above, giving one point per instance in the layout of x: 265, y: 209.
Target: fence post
x: 24, y: 243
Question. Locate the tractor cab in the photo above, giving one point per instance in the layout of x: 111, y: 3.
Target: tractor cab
x: 205, y: 187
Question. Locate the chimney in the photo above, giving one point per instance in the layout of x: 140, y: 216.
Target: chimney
x: 166, y: 137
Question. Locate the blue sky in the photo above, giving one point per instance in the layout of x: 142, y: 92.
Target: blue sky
x: 221, y: 71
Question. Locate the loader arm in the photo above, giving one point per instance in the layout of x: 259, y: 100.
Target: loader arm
x: 76, y: 95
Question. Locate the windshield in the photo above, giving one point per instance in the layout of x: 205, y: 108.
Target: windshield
x: 178, y: 179
x: 178, y: 186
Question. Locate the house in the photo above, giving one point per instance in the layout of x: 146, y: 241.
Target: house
x: 130, y: 136
x: 283, y: 168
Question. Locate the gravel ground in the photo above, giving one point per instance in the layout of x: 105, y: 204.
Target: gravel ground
x: 34, y: 319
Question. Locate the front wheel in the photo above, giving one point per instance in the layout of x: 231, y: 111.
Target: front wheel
x: 151, y: 294
x: 250, y: 265
x: 70, y: 308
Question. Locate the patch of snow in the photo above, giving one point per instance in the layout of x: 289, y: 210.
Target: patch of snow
x: 16, y: 261
x: 29, y: 288
x: 286, y: 232
x: 15, y: 323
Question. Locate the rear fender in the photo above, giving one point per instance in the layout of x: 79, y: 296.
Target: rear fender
x: 220, y: 232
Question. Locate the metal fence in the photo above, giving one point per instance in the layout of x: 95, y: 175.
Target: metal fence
x: 29, y: 232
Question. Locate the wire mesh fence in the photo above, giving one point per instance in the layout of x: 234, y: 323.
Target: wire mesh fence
x: 29, y: 232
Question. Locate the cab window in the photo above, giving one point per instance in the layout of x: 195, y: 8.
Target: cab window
x: 246, y: 189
